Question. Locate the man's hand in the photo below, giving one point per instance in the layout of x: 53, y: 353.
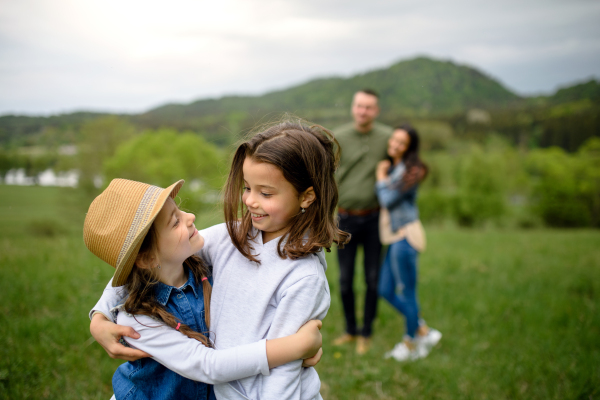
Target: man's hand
x: 107, y: 334
x: 382, y: 170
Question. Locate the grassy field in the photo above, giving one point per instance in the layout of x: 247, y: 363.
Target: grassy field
x: 519, y: 310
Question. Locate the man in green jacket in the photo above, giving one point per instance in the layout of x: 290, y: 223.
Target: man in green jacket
x: 363, y: 144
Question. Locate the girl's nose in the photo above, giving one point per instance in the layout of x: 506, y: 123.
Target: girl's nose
x: 249, y: 201
x: 191, y: 218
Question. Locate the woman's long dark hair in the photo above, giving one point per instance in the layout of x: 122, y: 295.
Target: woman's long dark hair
x: 140, y: 285
x: 416, y: 169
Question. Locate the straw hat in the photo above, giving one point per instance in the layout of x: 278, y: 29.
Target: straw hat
x: 119, y: 219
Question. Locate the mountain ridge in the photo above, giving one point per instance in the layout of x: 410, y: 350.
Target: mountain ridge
x: 417, y: 88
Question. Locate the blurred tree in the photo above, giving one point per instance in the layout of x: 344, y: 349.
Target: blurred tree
x: 589, y: 153
x: 162, y: 157
x: 567, y: 187
x: 480, y: 191
x: 435, y: 135
x: 99, y: 140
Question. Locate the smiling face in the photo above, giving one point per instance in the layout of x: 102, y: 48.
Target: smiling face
x: 271, y: 200
x: 398, y: 144
x: 177, y: 237
x: 365, y: 109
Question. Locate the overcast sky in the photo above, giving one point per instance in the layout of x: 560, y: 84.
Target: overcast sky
x: 132, y: 55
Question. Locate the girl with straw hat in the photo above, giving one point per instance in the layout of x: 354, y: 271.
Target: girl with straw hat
x: 268, y: 258
x: 139, y: 230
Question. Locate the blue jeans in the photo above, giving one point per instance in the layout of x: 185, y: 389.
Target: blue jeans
x: 398, y: 283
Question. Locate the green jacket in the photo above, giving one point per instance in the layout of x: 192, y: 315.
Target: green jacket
x: 360, y: 154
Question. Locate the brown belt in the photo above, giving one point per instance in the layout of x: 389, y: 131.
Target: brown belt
x: 357, y: 213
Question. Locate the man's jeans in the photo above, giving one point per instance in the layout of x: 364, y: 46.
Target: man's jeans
x: 398, y: 283
x: 365, y: 232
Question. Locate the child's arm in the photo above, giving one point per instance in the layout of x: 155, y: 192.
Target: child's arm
x: 304, y: 344
x: 191, y: 359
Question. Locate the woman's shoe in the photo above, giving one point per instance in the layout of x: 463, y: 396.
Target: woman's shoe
x: 429, y: 340
x: 402, y: 352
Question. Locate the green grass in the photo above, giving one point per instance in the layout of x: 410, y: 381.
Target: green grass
x: 519, y: 311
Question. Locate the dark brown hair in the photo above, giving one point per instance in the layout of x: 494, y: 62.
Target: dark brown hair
x: 416, y: 169
x: 307, y: 157
x: 142, y: 300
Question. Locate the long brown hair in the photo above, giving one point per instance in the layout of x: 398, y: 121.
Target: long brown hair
x: 142, y: 300
x: 307, y: 157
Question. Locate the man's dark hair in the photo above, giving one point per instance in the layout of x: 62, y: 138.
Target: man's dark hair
x: 369, y: 91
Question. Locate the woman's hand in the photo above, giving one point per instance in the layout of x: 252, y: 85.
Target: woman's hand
x: 107, y: 334
x: 382, y: 170
x: 413, y: 176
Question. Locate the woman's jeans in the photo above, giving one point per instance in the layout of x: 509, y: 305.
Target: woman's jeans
x: 398, y: 282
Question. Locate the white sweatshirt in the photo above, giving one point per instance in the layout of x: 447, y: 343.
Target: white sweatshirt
x: 251, y: 302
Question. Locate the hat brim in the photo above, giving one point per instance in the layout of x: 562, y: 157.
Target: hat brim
x: 123, y: 269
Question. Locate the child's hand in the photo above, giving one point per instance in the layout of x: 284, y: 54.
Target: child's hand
x: 302, y: 345
x: 311, y: 362
x: 310, y: 336
x: 107, y: 334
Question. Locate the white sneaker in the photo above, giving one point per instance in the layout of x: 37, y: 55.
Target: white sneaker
x: 431, y: 339
x: 401, y: 352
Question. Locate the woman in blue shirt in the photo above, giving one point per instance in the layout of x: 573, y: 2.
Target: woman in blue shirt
x: 398, y: 178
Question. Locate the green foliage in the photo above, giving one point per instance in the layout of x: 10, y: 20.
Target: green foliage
x: 480, y: 188
x: 33, y: 162
x: 164, y: 156
x: 20, y: 130
x: 100, y: 138
x: 435, y: 205
x: 567, y: 187
x: 435, y: 135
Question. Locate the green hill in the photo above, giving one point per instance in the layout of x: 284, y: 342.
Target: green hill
x: 589, y: 90
x: 417, y: 89
x: 420, y: 87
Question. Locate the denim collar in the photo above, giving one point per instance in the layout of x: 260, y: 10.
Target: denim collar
x: 163, y: 291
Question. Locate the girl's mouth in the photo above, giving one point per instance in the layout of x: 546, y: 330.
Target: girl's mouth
x: 257, y: 217
x: 194, y: 233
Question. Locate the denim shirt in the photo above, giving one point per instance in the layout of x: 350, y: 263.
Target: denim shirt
x: 401, y: 204
x: 146, y: 378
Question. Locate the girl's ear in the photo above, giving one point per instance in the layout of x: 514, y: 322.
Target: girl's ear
x: 146, y: 260
x: 307, y: 197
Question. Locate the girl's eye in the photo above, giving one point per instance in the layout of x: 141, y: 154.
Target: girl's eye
x: 176, y: 222
x: 266, y: 194
x: 246, y: 189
